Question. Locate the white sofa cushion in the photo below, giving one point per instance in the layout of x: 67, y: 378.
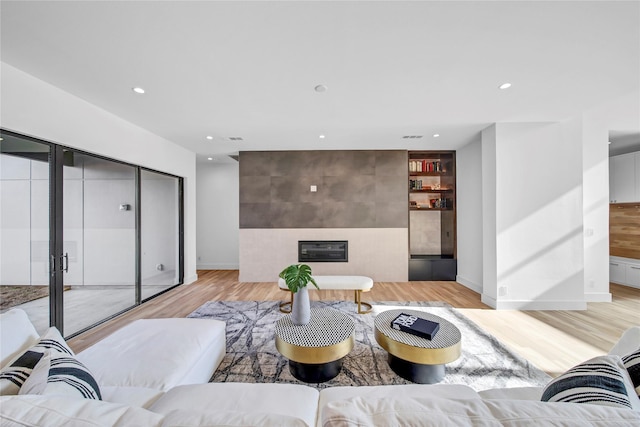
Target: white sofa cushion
x: 189, y: 418
x: 513, y: 393
x: 13, y: 376
x: 33, y: 410
x: 364, y: 411
x: 17, y: 334
x: 160, y: 353
x: 291, y: 400
x: 602, y: 380
x: 61, y: 374
x: 134, y: 396
x: 453, y: 391
x: 628, y: 342
x: 534, y: 414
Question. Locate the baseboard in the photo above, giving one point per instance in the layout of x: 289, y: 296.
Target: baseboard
x: 533, y: 305
x: 490, y: 301
x: 217, y: 266
x: 190, y: 279
x: 469, y: 284
x: 597, y: 297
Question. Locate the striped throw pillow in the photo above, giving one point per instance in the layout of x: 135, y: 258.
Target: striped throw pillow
x: 61, y: 374
x: 602, y: 381
x: 632, y: 363
x: 16, y: 373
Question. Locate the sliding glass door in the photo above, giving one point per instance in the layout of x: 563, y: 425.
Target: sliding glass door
x: 84, y: 238
x: 159, y: 225
x: 99, y: 239
x: 24, y: 227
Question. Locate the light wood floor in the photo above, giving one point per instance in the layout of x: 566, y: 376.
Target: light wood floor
x: 552, y: 340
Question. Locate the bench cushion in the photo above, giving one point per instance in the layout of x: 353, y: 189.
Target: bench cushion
x: 351, y: 283
x: 158, y: 353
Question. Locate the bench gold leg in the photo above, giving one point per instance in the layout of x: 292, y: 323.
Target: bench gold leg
x: 358, y: 295
x: 285, y: 304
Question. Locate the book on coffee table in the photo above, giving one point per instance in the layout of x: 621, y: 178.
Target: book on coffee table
x: 415, y: 325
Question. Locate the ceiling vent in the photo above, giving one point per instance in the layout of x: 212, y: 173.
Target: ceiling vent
x: 412, y: 136
x: 235, y: 138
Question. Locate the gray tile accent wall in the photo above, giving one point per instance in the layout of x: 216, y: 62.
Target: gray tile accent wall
x: 356, y: 189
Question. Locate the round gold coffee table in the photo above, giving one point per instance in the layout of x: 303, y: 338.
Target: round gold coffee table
x: 414, y: 358
x: 315, y: 350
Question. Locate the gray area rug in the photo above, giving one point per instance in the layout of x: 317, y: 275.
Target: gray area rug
x: 252, y: 356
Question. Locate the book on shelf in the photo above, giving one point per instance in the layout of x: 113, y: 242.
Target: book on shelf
x: 416, y: 326
x: 425, y: 166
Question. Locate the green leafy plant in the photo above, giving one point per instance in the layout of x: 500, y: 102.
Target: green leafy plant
x: 297, y: 276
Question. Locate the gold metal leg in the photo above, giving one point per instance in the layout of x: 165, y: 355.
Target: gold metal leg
x: 358, y: 295
x: 285, y: 304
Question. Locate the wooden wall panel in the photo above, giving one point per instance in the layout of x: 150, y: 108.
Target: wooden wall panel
x: 624, y: 230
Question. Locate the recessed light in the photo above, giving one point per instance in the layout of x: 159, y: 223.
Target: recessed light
x: 209, y: 158
x: 436, y: 135
x: 209, y: 137
x: 504, y: 86
x: 321, y: 88
x: 138, y: 90
x: 321, y: 137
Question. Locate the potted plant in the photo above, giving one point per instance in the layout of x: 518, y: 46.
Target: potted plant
x: 297, y: 277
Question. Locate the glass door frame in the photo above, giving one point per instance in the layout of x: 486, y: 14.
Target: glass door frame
x: 58, y: 260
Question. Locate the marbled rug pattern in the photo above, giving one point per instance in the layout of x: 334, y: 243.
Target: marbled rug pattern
x: 252, y: 356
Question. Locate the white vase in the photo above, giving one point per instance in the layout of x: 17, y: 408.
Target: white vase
x: 301, y: 309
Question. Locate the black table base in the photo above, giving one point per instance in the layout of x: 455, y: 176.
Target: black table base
x: 416, y: 372
x: 315, y: 373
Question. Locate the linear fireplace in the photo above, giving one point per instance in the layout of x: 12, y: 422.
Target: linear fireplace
x: 323, y: 251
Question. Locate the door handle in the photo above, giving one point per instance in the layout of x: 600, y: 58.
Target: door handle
x: 64, y: 258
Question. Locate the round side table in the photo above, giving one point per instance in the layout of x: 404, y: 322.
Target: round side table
x: 315, y: 350
x: 414, y: 358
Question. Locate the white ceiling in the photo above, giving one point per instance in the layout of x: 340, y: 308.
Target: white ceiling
x: 392, y: 68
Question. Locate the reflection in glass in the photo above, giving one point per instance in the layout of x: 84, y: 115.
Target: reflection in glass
x: 159, y: 232
x: 24, y: 227
x: 99, y: 238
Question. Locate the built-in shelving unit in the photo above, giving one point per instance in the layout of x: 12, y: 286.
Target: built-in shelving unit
x: 432, y: 207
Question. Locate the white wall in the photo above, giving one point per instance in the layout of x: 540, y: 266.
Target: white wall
x: 538, y: 217
x: 218, y: 193
x: 618, y: 114
x: 33, y: 107
x: 469, y: 215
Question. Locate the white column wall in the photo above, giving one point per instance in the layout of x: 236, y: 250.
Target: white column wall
x: 489, y: 216
x: 218, y: 194
x: 538, y: 217
x: 33, y: 107
x: 469, y: 215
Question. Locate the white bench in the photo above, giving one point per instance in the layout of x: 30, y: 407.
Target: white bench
x: 358, y: 284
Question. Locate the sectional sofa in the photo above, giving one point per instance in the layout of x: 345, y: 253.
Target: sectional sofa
x: 156, y: 372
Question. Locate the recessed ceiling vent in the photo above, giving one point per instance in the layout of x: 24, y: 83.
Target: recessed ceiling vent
x: 412, y: 136
x: 235, y: 138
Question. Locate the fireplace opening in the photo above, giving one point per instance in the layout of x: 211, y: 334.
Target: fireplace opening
x: 323, y: 251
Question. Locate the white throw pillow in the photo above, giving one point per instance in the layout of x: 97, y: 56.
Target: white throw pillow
x: 61, y: 374
x: 602, y: 380
x: 13, y: 376
x: 17, y: 334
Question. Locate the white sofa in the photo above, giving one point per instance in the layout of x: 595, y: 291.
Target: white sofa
x: 156, y: 372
